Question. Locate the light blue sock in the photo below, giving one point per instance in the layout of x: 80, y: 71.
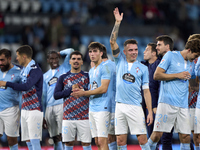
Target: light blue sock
x: 14, y: 147
x: 58, y: 146
x: 36, y: 144
x: 185, y: 146
x: 112, y: 146
x: 87, y: 147
x: 152, y: 144
x: 197, y: 147
x: 68, y: 147
x: 145, y: 146
x: 29, y: 145
x: 124, y: 147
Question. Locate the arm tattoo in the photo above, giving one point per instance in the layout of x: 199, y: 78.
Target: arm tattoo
x: 116, y: 51
x: 114, y: 33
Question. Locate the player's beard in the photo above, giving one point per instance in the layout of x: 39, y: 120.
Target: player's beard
x: 5, y: 67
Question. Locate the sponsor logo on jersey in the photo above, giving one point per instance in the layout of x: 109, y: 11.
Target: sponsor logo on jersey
x: 53, y: 81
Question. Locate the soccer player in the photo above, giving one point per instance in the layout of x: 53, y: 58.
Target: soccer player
x: 174, y: 71
x: 152, y: 61
x: 131, y: 75
x: 9, y: 99
x: 192, y: 100
x: 99, y: 104
x: 165, y: 44
x: 75, y: 115
x: 112, y: 144
x: 54, y: 109
x: 31, y: 87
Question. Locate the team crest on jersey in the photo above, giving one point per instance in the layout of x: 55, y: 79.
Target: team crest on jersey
x: 157, y: 124
x: 137, y: 69
x: 12, y: 76
x: 69, y: 83
x: 82, y: 79
x: 178, y: 64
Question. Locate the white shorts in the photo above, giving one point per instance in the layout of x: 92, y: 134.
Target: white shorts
x: 31, y: 124
x: 10, y: 121
x: 168, y: 116
x: 192, y: 117
x: 197, y: 121
x: 112, y: 124
x: 129, y: 116
x: 99, y: 123
x: 53, y: 117
x: 71, y: 128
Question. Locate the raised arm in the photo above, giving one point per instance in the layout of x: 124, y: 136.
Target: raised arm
x: 114, y: 34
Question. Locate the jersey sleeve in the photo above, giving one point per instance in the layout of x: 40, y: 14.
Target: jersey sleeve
x: 145, y: 78
x: 165, y: 62
x: 66, y: 53
x: 106, y: 73
x: 59, y: 91
x: 197, y: 68
x: 33, y: 78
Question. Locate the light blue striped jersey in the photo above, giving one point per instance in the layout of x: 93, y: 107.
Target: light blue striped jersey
x: 112, y: 85
x: 128, y: 87
x: 100, y: 102
x: 8, y: 96
x: 175, y: 92
x: 50, y: 80
x: 197, y: 73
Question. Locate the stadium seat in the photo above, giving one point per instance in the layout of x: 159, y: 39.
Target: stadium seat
x: 14, y: 5
x: 46, y: 6
x: 56, y: 6
x: 25, y: 6
x: 4, y: 5
x: 35, y: 6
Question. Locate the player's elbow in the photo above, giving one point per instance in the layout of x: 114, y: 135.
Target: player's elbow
x: 156, y: 76
x: 112, y: 42
x: 104, y: 90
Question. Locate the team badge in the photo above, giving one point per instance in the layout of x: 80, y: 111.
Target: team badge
x: 137, y: 69
x: 12, y: 76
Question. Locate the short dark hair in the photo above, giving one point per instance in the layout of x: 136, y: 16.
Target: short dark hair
x: 25, y: 49
x: 193, y: 45
x: 51, y: 52
x: 6, y: 52
x: 153, y: 47
x: 104, y: 52
x: 130, y: 41
x: 194, y: 36
x: 76, y: 53
x: 98, y: 45
x: 167, y: 40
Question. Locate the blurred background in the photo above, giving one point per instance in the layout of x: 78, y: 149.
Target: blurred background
x: 58, y: 24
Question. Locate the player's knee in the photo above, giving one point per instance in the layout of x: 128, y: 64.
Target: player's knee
x: 57, y: 138
x: 102, y: 141
x: 85, y: 144
x: 121, y: 141
x: 142, y: 139
x: 71, y: 143
x: 111, y: 138
x: 185, y: 138
x: 12, y: 140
